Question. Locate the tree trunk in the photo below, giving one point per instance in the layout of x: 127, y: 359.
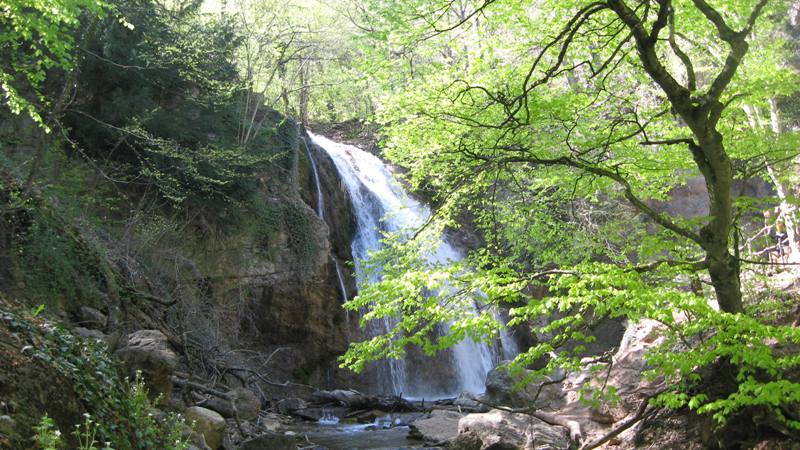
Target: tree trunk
x: 42, y: 134
x: 724, y: 271
x: 716, y: 167
x: 284, y: 90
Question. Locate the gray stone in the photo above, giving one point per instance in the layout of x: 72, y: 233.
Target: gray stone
x: 89, y: 334
x: 271, y: 422
x: 227, y: 443
x: 290, y: 405
x: 208, y: 423
x: 441, y: 426
x: 340, y: 396
x: 504, y: 430
x: 91, y: 318
x: 466, y: 402
x: 196, y: 441
x: 465, y: 441
x: 196, y: 447
x: 501, y: 390
x: 148, y: 351
x: 246, y: 403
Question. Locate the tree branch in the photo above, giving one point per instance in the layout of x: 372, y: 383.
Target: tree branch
x: 645, y: 45
x: 668, y: 141
x: 691, y: 78
x: 641, y: 413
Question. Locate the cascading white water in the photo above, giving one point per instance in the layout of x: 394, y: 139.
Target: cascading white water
x: 381, y: 204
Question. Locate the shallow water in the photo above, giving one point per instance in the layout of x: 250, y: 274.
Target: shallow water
x: 358, y: 436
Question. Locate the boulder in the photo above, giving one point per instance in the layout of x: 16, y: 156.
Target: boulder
x: 500, y: 390
x: 197, y: 442
x: 91, y: 318
x: 466, y: 441
x: 342, y: 397
x: 89, y: 334
x: 207, y: 423
x: 197, y: 447
x: 148, y: 351
x: 290, y: 405
x: 272, y: 423
x: 271, y: 441
x: 504, y: 430
x: 441, y: 426
x: 241, y: 401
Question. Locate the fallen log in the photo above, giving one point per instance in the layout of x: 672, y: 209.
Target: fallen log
x: 352, y: 399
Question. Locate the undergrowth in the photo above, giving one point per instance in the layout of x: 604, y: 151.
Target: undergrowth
x: 120, y: 413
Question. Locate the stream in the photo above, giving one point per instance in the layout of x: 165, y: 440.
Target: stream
x: 378, y: 435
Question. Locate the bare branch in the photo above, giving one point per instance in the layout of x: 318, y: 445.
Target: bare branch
x: 676, y: 141
x: 691, y: 78
x: 642, y: 412
x: 725, y: 32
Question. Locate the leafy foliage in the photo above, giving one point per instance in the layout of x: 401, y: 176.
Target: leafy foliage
x: 300, y: 57
x: 121, y: 409
x: 162, y: 106
x: 37, y: 36
x: 47, y: 435
x: 560, y: 127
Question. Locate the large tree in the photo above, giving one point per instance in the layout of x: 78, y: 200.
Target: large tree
x: 524, y: 112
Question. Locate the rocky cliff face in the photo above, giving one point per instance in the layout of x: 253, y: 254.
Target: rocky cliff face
x: 246, y: 295
x: 282, y: 285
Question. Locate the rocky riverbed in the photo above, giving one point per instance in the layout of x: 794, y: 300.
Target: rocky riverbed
x: 544, y: 416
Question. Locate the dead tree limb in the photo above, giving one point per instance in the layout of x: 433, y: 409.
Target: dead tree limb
x: 642, y: 412
x: 200, y: 387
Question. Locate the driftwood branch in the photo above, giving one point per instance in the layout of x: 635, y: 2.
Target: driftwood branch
x: 199, y: 387
x: 264, y: 379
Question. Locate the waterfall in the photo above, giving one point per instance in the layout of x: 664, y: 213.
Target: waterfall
x: 381, y: 204
x: 321, y: 213
x: 343, y: 291
x: 320, y: 200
